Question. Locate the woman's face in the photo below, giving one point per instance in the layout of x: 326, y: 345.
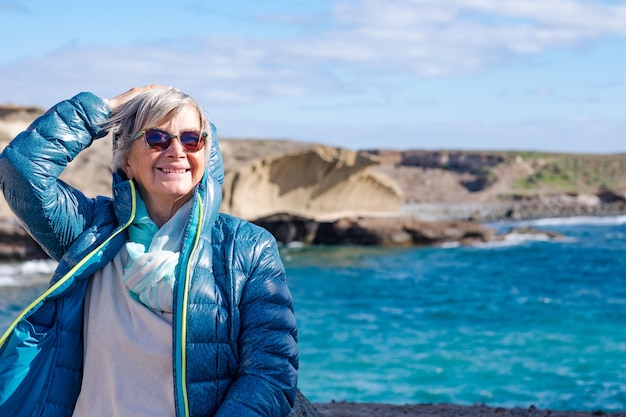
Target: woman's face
x: 165, y: 179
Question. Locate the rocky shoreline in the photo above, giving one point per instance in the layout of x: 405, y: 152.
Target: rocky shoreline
x: 350, y: 409
x: 536, y: 208
x: 304, y: 408
x: 414, y: 225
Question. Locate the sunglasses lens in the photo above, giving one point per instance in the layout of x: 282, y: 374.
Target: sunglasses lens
x: 158, y: 140
x: 192, y: 141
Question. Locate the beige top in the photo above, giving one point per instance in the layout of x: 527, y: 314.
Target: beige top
x: 128, y: 352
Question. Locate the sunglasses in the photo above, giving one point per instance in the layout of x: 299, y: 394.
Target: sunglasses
x: 160, y: 140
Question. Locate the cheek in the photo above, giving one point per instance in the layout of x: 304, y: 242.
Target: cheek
x: 200, y: 167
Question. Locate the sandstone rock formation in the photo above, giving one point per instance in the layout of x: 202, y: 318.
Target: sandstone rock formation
x: 318, y: 182
x: 14, y: 119
x: 90, y: 172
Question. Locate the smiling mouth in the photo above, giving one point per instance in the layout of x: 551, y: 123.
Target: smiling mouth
x: 173, y: 171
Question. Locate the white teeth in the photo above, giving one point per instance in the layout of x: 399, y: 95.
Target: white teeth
x: 173, y: 171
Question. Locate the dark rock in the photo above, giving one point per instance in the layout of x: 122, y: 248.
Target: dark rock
x: 287, y: 228
x: 351, y: 409
x: 609, y: 197
x: 346, y: 231
x: 16, y: 244
x: 388, y: 231
x: 401, y: 231
x: 303, y: 407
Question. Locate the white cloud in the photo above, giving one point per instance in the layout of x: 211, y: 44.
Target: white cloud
x: 423, y: 38
x: 364, y: 76
x: 433, y: 37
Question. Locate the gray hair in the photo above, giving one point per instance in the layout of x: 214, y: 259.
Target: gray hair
x: 148, y: 109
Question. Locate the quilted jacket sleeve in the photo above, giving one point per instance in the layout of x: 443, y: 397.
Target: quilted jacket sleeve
x: 53, y: 212
x: 266, y: 385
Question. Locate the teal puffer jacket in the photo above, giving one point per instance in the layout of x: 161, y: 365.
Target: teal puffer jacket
x: 234, y: 330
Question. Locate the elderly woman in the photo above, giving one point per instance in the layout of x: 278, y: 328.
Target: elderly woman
x: 160, y: 305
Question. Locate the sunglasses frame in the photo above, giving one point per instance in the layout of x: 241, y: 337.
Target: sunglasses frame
x: 170, y: 137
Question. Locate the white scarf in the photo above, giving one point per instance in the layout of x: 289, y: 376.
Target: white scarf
x: 154, y: 252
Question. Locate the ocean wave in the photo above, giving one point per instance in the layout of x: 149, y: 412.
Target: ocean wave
x: 26, y: 273
x: 572, y: 221
x: 515, y: 239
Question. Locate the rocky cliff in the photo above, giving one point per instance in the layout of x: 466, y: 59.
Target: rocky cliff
x: 261, y: 177
x: 492, y: 185
x: 317, y: 182
x: 320, y: 194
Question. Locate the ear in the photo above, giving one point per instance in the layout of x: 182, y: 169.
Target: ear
x: 127, y: 170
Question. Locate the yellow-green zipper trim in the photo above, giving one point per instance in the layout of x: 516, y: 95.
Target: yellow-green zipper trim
x: 70, y: 273
x: 183, y: 312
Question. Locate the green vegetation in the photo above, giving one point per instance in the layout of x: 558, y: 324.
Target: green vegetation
x: 576, y: 173
x: 529, y: 155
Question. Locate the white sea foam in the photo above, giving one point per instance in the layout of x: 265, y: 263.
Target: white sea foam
x: 525, y: 237
x: 515, y: 239
x: 26, y: 273
x: 6, y: 281
x: 295, y: 245
x: 574, y: 221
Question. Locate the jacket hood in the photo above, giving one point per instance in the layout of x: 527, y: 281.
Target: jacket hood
x: 215, y: 163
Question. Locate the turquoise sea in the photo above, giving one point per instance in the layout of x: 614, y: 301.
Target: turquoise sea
x: 526, y: 321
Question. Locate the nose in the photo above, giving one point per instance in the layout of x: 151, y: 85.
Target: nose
x: 175, y: 149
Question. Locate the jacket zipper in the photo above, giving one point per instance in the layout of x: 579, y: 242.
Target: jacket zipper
x: 182, y: 346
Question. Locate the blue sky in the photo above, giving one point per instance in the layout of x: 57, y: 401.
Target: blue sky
x: 546, y: 75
